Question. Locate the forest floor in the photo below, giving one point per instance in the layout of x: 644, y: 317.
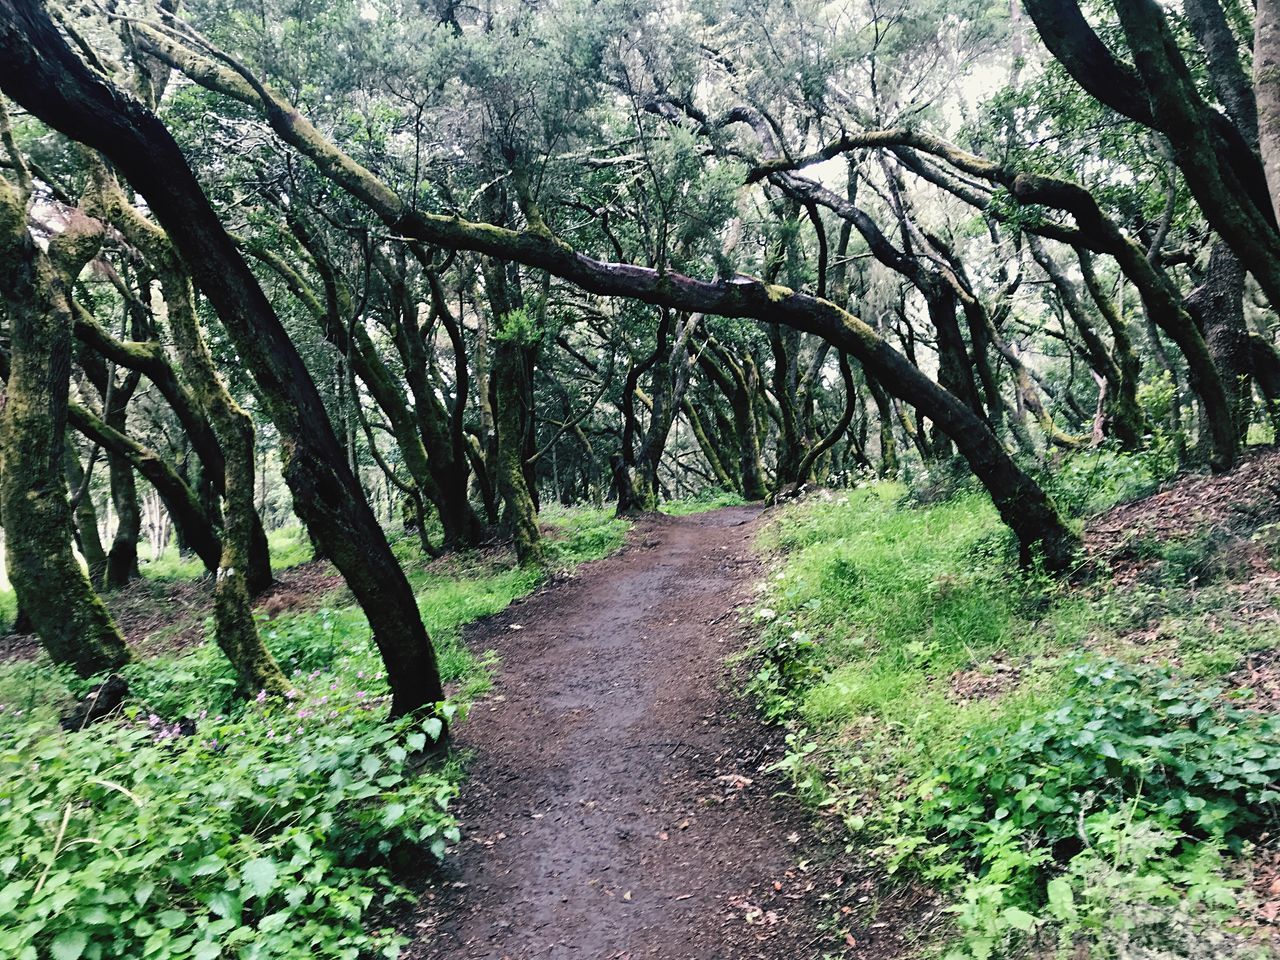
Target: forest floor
x: 617, y: 804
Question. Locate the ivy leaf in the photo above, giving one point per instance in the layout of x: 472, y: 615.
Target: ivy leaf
x: 1019, y: 919
x: 225, y: 904
x: 1061, y: 900
x: 259, y: 876
x: 209, y: 865
x: 393, y: 814
x: 69, y: 945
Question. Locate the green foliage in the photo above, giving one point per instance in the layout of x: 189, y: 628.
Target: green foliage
x: 879, y: 598
x: 582, y: 534
x: 937, y: 702
x: 1091, y: 481
x: 267, y: 834
x: 1169, y: 749
x: 201, y: 826
x: 704, y: 500
x: 520, y: 327
x: 1134, y: 889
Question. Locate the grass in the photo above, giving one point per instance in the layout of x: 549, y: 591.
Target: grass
x: 710, y: 499
x: 289, y: 547
x: 901, y: 645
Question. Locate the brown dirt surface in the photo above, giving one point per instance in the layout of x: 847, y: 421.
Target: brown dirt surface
x: 618, y: 804
x: 1240, y: 501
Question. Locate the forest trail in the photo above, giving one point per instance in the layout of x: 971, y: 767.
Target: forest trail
x: 614, y: 807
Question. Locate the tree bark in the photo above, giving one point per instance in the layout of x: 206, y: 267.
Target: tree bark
x: 53, y: 590
x: 39, y: 71
x: 1266, y: 86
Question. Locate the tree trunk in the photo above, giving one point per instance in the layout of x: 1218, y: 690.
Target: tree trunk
x: 520, y: 515
x: 40, y: 71
x: 122, y: 559
x: 234, y: 627
x: 53, y: 590
x: 1218, y: 307
x: 86, y: 516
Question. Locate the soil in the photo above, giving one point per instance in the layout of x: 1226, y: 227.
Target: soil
x: 618, y: 804
x: 1231, y: 506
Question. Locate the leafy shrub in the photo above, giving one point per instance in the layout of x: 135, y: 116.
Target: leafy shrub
x: 1172, y: 751
x: 1133, y: 892
x: 264, y: 836
x: 1068, y: 805
x: 1095, y: 480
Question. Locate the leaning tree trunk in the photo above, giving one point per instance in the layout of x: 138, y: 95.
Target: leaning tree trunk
x: 191, y: 519
x: 234, y: 627
x: 149, y: 359
x: 53, y: 590
x: 39, y: 70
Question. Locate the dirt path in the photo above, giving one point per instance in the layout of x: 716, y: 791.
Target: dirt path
x: 615, y: 806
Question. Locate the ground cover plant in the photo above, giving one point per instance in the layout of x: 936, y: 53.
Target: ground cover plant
x: 1073, y: 767
x: 198, y: 825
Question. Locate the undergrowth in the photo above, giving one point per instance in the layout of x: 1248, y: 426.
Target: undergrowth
x: 1071, y: 785
x: 201, y: 826
x: 709, y: 499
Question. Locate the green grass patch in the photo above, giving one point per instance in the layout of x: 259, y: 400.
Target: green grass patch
x: 710, y: 499
x: 1062, y: 762
x: 289, y: 547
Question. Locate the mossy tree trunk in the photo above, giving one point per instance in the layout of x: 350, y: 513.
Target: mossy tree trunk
x: 88, y: 536
x: 122, y: 558
x: 520, y: 514
x: 514, y: 334
x: 53, y: 589
x: 1217, y: 305
x: 39, y: 70
x: 234, y: 628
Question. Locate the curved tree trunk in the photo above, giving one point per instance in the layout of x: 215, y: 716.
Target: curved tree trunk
x: 196, y: 528
x: 53, y: 590
x: 39, y: 70
x: 234, y: 627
